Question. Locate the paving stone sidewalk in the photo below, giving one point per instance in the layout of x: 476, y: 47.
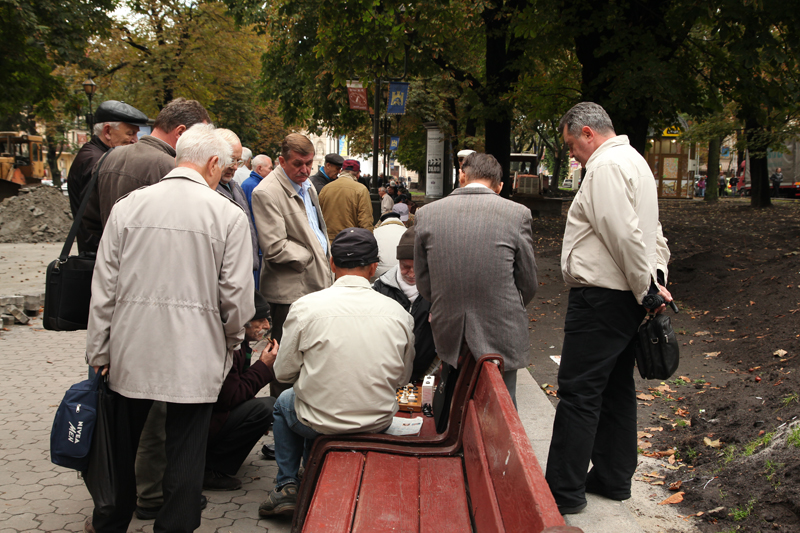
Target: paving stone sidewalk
x: 38, y: 366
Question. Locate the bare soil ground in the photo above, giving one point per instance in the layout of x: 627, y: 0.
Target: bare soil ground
x: 725, y: 427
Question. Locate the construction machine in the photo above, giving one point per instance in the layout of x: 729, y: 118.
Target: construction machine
x: 21, y: 162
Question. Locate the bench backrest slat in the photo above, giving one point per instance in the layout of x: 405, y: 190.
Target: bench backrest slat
x: 485, y: 511
x: 522, y: 493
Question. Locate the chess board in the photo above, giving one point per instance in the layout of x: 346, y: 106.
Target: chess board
x: 412, y: 406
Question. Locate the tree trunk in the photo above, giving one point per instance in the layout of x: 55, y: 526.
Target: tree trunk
x: 759, y: 173
x: 712, y: 179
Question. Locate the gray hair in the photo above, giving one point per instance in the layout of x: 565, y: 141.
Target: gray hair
x: 260, y: 160
x: 586, y: 114
x: 200, y: 143
x: 247, y: 154
x: 479, y: 166
x: 229, y: 136
x: 98, y: 128
x: 381, y: 189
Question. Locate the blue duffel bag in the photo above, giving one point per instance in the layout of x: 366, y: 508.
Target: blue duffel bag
x: 71, y: 436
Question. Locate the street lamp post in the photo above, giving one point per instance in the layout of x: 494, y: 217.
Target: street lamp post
x: 90, y: 87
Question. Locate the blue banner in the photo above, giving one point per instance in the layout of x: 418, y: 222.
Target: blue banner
x: 398, y: 94
x: 395, y: 143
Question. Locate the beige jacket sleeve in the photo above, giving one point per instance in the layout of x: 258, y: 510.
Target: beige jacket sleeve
x: 365, y: 217
x: 236, y: 283
x: 616, y: 224
x: 275, y: 245
x: 663, y: 253
x: 104, y: 295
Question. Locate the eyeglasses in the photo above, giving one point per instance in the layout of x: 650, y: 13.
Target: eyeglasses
x: 236, y: 163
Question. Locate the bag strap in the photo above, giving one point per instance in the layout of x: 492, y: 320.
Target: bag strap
x: 76, y: 224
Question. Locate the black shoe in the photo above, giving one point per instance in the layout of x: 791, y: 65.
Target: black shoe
x: 595, y: 487
x: 575, y: 509
x: 218, y: 481
x: 150, y: 513
x: 268, y: 452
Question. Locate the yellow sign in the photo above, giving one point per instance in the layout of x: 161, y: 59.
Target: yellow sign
x: 672, y: 131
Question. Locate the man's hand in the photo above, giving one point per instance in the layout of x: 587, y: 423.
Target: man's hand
x: 97, y: 369
x: 664, y: 293
x: 269, y: 353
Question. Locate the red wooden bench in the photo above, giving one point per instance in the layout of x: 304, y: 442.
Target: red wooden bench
x: 479, y: 475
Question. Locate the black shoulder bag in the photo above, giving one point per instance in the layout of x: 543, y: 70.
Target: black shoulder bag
x: 656, y: 348
x: 68, y: 289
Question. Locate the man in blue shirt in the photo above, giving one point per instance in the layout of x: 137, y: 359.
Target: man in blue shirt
x: 262, y: 166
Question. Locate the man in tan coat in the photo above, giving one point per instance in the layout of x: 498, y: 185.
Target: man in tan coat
x: 291, y: 232
x: 171, y: 292
x: 345, y: 202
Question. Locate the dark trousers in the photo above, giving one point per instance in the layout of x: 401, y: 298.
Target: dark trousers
x: 279, y: 313
x: 776, y: 189
x: 596, y: 416
x: 187, y: 434
x: 245, y: 425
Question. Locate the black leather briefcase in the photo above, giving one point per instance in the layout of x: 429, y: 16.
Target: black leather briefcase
x: 656, y: 348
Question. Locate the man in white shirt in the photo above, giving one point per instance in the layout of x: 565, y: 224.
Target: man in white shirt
x: 614, y: 254
x: 347, y: 333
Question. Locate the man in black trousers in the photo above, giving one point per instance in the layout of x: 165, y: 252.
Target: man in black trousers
x: 614, y: 254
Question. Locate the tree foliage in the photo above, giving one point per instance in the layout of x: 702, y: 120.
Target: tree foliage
x: 35, y: 37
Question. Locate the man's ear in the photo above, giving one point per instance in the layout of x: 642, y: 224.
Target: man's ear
x: 179, y: 131
x: 497, y: 188
x: 333, y: 266
x: 372, y: 269
x: 462, y: 178
x: 212, y: 163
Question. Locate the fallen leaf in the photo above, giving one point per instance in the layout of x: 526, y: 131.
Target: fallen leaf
x: 752, y: 302
x: 644, y: 396
x: 655, y: 475
x: 675, y: 498
x: 644, y: 435
x: 712, y: 354
x: 779, y: 353
x: 702, y: 333
x: 645, y: 445
x: 711, y: 443
x: 676, y: 485
x: 663, y: 388
x: 674, y: 467
x: 657, y: 483
x: 671, y: 459
x: 685, y: 378
x: 682, y: 412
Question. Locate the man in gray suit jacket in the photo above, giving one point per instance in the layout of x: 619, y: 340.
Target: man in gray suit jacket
x: 474, y: 262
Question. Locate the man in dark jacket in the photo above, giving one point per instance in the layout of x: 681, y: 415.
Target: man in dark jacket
x: 776, y: 179
x: 116, y: 124
x: 240, y: 419
x: 328, y: 172
x: 400, y: 284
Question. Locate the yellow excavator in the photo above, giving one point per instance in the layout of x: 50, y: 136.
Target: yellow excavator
x: 21, y: 162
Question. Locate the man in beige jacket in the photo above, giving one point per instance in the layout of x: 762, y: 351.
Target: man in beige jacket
x: 614, y: 253
x: 171, y: 292
x: 345, y: 202
x: 291, y: 232
x: 347, y: 333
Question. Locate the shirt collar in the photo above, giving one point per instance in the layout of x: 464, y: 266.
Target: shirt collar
x: 473, y: 184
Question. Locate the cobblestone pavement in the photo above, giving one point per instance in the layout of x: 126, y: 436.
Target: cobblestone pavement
x: 38, y: 366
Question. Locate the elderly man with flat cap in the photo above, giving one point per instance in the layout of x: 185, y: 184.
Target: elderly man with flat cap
x: 328, y: 172
x: 116, y: 123
x: 346, y: 333
x: 346, y: 203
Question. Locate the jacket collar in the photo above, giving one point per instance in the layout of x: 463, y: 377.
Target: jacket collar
x: 98, y: 142
x: 391, y: 220
x: 352, y: 281
x: 390, y: 278
x: 158, y: 144
x: 285, y: 182
x: 256, y: 175
x: 618, y: 140
x: 186, y: 173
x: 473, y: 190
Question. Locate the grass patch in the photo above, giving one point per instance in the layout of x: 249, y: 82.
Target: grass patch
x: 678, y: 382
x: 794, y: 437
x: 681, y: 423
x: 740, y: 513
x: 789, y: 399
x: 763, y: 440
x: 692, y: 454
x: 771, y: 472
x: 728, y: 454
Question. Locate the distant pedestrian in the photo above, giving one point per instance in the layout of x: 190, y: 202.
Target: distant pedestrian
x: 327, y: 173
x: 387, y: 203
x: 734, y: 181
x: 723, y: 185
x: 701, y: 185
x: 776, y: 179
x: 243, y: 172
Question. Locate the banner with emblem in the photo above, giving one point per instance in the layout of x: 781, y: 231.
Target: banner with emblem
x: 398, y: 94
x: 357, y: 95
x: 394, y: 143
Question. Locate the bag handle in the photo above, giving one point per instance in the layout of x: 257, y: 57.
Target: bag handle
x: 73, y: 232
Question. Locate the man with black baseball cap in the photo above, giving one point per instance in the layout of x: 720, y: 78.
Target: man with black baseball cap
x: 116, y: 124
x: 347, y: 333
x: 327, y: 173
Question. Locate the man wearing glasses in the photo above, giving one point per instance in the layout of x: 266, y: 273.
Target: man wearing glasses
x: 228, y: 187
